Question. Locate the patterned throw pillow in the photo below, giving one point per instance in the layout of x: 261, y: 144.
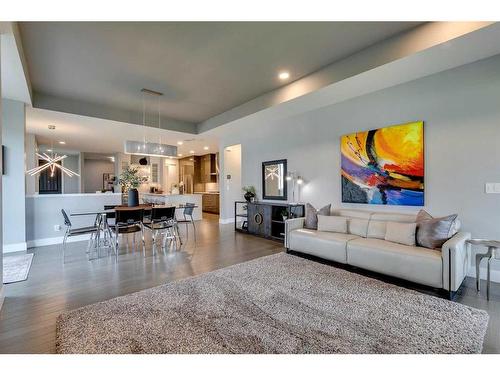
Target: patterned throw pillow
x: 311, y: 221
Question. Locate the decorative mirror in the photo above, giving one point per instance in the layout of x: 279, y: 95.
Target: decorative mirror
x: 274, y: 185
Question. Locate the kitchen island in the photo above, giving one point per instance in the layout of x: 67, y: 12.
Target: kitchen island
x: 175, y: 200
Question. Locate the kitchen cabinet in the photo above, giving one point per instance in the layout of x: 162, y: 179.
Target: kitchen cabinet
x: 210, y: 203
x: 208, y: 169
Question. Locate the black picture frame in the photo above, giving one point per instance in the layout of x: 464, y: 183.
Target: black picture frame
x: 266, y: 196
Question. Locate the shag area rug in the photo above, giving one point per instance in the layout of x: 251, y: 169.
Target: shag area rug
x: 16, y: 267
x: 275, y: 304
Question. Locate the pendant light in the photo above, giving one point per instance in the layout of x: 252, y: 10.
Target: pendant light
x: 52, y: 162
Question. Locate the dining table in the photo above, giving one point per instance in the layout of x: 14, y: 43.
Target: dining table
x: 102, y: 225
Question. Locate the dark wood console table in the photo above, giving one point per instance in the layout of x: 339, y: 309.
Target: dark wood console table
x: 265, y: 219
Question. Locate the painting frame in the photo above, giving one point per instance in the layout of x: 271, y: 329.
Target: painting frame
x: 384, y: 166
x: 265, y: 195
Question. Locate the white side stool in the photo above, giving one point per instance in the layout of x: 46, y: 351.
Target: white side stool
x: 492, y: 253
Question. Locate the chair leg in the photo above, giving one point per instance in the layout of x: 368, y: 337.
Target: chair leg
x: 64, y: 247
x: 143, y: 240
x: 194, y: 230
x: 488, y: 279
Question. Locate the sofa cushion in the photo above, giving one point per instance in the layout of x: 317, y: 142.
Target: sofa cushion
x: 376, y: 229
x: 359, y: 227
x: 311, y: 221
x: 411, y: 263
x: 403, y: 233
x: 336, y: 224
x: 327, y: 245
x: 358, y: 214
x: 394, y: 216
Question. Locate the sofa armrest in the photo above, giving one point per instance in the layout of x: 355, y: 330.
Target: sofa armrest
x: 456, y: 248
x: 292, y: 224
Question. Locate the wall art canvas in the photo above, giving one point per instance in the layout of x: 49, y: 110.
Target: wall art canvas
x: 384, y: 166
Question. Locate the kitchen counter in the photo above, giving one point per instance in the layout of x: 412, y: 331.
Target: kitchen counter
x: 175, y: 200
x: 206, y: 192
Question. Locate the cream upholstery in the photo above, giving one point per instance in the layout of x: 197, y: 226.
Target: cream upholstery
x: 417, y: 264
x: 326, y: 245
x: 412, y: 263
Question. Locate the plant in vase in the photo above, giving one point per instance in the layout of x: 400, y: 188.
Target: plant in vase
x: 249, y: 193
x: 130, y: 181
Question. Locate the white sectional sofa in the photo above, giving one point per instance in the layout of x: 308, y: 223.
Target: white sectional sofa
x: 445, y: 269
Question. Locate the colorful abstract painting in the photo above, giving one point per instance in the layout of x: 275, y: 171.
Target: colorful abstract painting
x: 384, y: 166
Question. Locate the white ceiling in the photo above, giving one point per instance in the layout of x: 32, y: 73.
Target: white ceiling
x: 95, y: 135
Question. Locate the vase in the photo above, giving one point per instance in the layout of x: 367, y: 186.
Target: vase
x: 133, y: 198
x: 249, y: 196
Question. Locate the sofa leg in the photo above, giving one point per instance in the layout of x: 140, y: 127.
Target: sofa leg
x: 452, y: 296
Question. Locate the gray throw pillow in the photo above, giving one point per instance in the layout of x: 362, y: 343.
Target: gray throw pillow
x: 433, y: 233
x: 311, y: 221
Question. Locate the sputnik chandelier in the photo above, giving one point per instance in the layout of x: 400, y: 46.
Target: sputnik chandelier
x: 51, y: 162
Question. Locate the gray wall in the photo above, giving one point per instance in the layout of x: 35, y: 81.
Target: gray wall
x: 461, y: 111
x: 1, y: 192
x: 92, y: 173
x: 45, y: 223
x: 14, y: 191
x: 30, y: 161
x: 71, y: 185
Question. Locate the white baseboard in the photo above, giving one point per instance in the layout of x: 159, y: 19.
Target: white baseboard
x: 2, y: 295
x: 13, y: 247
x: 56, y: 240
x: 494, y: 274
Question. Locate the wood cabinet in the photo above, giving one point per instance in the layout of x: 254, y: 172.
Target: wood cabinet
x: 208, y: 170
x: 266, y: 219
x: 210, y: 203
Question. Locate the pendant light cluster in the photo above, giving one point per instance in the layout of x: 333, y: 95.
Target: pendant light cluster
x: 52, y: 162
x: 150, y: 148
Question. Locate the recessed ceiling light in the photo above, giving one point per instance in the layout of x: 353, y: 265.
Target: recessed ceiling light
x: 284, y: 75
x: 191, y: 152
x: 180, y: 143
x: 205, y: 148
x: 49, y: 150
x: 179, y: 154
x: 62, y: 142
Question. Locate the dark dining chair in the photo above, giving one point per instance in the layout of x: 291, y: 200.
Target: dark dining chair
x: 72, y: 232
x: 162, y: 221
x: 188, y: 219
x: 129, y: 221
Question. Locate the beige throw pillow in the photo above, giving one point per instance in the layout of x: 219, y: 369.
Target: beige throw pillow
x: 359, y: 227
x: 403, y: 233
x: 336, y: 224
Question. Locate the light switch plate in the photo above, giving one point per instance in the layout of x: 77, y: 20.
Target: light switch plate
x: 492, y: 188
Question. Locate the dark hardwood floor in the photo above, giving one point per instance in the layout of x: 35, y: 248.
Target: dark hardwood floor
x: 31, y: 307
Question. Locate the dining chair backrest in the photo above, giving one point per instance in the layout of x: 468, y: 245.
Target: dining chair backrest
x: 67, y: 221
x: 110, y: 215
x: 188, y: 209
x: 159, y: 214
x: 129, y: 217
